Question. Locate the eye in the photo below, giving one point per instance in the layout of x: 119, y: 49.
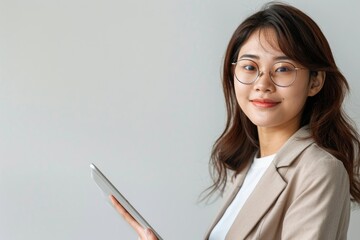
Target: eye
x: 283, y: 68
x: 247, y: 66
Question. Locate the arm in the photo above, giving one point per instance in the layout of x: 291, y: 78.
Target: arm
x: 144, y: 234
x: 321, y: 209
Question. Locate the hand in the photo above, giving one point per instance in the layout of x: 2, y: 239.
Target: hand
x: 144, y: 234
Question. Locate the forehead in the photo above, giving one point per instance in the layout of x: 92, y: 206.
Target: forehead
x: 262, y: 42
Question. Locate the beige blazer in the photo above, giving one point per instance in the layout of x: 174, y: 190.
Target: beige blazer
x: 304, y: 194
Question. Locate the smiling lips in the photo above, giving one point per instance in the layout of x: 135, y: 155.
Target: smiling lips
x: 264, y: 103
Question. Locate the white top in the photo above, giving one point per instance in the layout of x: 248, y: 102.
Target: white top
x: 256, y: 171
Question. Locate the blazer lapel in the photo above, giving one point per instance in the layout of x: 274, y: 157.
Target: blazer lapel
x: 269, y: 187
x: 257, y: 204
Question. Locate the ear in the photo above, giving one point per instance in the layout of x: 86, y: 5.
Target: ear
x: 317, y: 80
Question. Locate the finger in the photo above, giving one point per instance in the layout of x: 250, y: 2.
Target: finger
x: 128, y: 218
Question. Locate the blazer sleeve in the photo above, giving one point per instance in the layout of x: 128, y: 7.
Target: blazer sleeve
x: 321, y: 208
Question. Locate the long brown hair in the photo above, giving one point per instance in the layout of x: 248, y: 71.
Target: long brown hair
x: 300, y: 38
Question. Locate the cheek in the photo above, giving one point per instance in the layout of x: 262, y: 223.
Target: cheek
x: 242, y: 93
x: 295, y: 100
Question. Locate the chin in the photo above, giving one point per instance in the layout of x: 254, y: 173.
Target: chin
x: 264, y: 124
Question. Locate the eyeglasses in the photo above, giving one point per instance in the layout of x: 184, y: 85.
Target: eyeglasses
x: 282, y: 74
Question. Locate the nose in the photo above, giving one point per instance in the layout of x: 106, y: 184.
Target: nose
x: 264, y: 83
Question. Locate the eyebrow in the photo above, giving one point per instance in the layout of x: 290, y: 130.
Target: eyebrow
x: 278, y: 58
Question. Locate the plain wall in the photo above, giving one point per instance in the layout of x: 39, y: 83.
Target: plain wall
x: 134, y: 87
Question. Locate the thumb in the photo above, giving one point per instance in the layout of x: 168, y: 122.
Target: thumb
x: 149, y: 234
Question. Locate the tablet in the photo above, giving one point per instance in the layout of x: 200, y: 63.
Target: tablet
x: 109, y: 189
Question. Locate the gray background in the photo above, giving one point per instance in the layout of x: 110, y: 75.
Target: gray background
x: 133, y: 86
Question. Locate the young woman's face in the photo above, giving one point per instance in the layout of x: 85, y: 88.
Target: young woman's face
x: 264, y: 103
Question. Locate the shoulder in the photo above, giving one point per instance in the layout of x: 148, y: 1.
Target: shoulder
x: 316, y: 158
x: 317, y: 166
x: 302, y: 152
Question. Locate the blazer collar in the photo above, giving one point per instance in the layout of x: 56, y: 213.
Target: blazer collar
x: 264, y: 196
x: 293, y: 147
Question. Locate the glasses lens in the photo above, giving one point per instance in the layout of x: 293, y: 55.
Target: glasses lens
x: 246, y: 71
x: 283, y: 74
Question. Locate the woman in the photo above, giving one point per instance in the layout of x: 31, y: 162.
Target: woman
x: 288, y: 147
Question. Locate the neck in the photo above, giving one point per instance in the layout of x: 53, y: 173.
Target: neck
x: 272, y: 139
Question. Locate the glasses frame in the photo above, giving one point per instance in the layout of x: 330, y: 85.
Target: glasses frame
x: 260, y: 73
